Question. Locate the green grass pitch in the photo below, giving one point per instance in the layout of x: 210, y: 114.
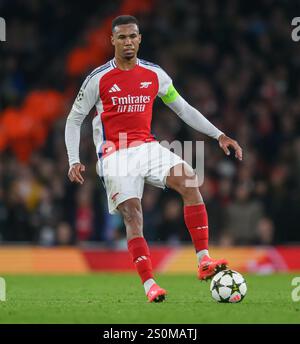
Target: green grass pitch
x: 120, y: 299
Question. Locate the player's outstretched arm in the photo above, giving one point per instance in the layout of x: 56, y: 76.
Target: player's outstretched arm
x: 191, y: 116
x: 196, y: 120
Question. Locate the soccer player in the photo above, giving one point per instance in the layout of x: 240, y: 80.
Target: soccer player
x: 123, y: 91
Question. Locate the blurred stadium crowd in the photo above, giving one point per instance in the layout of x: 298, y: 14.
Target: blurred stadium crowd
x: 234, y: 61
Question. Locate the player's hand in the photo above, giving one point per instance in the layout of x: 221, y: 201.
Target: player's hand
x: 226, y: 142
x: 74, y: 173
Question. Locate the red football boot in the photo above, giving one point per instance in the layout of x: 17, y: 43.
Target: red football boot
x: 208, y: 267
x: 156, y: 294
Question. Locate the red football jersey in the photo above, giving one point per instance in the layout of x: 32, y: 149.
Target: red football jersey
x: 124, y: 102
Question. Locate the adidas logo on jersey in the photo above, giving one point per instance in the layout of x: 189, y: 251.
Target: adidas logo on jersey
x: 114, y: 88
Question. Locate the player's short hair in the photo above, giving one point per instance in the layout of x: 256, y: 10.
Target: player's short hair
x: 124, y: 19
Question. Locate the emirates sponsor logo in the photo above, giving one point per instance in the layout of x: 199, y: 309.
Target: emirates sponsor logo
x: 131, y: 103
x: 130, y: 100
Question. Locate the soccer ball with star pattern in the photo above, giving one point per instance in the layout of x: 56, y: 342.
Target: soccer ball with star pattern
x: 228, y: 286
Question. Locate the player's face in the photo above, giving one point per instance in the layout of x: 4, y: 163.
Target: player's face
x: 126, y: 40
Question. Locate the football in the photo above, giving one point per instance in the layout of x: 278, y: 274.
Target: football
x: 228, y: 286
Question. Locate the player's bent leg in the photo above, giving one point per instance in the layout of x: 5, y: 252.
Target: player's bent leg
x: 131, y: 211
x: 182, y: 179
x: 196, y: 219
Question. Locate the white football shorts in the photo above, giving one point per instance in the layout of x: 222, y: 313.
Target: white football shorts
x: 125, y: 171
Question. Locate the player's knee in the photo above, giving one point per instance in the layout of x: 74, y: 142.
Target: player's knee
x: 186, y: 185
x: 189, y: 190
x: 191, y: 193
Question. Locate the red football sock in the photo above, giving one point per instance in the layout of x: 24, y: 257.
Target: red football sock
x: 140, y: 255
x: 195, y: 217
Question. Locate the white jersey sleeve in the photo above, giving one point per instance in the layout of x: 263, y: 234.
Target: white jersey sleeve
x: 164, y: 82
x: 87, y: 97
x: 72, y: 135
x: 193, y: 117
x: 183, y: 109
